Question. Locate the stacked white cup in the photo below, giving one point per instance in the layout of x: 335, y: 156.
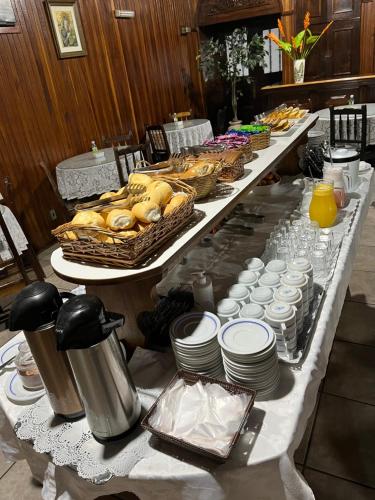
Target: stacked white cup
x: 249, y: 311
x: 249, y: 279
x: 239, y: 293
x: 301, y: 281
x: 262, y: 296
x: 227, y: 309
x: 277, y: 266
x: 292, y: 296
x: 270, y: 280
x: 255, y: 264
x: 282, y: 318
x: 302, y: 265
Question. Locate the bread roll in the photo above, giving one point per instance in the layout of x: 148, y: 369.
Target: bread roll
x: 142, y: 179
x: 88, y: 218
x: 120, y: 219
x: 121, y: 191
x: 141, y: 226
x: 147, y: 211
x: 160, y: 192
x: 175, y: 202
x: 70, y: 235
x: 104, y: 196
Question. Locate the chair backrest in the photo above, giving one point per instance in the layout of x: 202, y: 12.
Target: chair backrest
x: 337, y: 100
x: 159, y: 142
x: 350, y: 127
x: 116, y: 140
x: 67, y: 211
x: 129, y: 153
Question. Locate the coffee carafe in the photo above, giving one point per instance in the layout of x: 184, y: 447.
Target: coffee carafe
x: 86, y: 331
x: 34, y: 311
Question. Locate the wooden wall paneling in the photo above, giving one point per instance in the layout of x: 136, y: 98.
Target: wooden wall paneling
x: 343, y: 46
x: 367, y: 64
x: 51, y: 109
x: 289, y: 22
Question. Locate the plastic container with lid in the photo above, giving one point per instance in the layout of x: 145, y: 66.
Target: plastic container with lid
x: 27, y: 368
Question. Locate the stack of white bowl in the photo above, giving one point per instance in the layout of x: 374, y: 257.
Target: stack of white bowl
x: 302, y: 265
x: 282, y: 318
x: 194, y: 342
x: 249, y: 353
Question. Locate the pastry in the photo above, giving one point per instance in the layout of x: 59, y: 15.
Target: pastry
x: 104, y: 196
x: 143, y: 179
x: 88, y: 218
x: 141, y: 226
x: 125, y: 234
x: 120, y: 219
x: 147, y: 211
x: 160, y: 192
x: 70, y: 235
x: 175, y: 202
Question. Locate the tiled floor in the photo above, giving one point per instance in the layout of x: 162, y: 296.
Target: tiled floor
x: 337, y: 454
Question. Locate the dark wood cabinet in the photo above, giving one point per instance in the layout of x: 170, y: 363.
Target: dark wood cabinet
x: 338, y: 52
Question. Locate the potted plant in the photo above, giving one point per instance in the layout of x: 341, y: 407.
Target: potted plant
x: 298, y: 47
x: 227, y: 59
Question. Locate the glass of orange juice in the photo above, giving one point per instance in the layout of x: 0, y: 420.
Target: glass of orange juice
x: 323, y: 208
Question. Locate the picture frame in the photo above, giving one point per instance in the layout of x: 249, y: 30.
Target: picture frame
x: 66, y: 27
x: 8, y: 20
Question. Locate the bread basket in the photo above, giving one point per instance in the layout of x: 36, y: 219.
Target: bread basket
x: 82, y: 243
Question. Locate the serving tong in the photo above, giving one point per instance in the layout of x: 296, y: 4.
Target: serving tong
x: 131, y: 194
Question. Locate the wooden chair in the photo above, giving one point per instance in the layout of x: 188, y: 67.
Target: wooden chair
x: 337, y: 100
x: 116, y: 141
x: 129, y: 152
x: 67, y: 207
x: 350, y: 128
x: 159, y: 143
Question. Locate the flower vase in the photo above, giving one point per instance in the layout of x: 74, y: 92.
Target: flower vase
x: 299, y: 70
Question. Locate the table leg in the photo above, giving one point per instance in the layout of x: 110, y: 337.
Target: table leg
x: 129, y: 299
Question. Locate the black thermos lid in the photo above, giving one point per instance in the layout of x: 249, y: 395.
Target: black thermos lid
x: 35, y: 306
x: 83, y: 322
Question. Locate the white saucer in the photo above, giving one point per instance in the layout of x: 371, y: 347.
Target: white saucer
x: 9, y: 351
x: 195, y: 329
x: 246, y: 337
x: 18, y: 394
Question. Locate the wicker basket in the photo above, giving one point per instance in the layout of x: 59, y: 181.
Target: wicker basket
x: 125, y: 252
x: 202, y: 184
x: 190, y: 379
x: 261, y: 140
x: 233, y: 161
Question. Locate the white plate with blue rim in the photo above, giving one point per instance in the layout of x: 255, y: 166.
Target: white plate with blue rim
x: 246, y: 337
x: 195, y: 329
x: 18, y: 394
x: 9, y: 351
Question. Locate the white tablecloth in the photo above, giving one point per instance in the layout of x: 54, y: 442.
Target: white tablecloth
x: 84, y: 175
x: 323, y: 123
x: 262, y: 465
x: 16, y: 232
x: 188, y: 133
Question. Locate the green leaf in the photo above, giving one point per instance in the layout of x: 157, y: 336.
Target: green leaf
x: 286, y: 46
x: 298, y: 39
x: 312, y: 39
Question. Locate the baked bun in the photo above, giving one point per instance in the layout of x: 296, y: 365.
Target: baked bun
x: 175, y: 202
x: 201, y: 169
x: 141, y: 226
x: 120, y: 219
x: 143, y: 179
x: 160, y: 192
x: 88, y: 218
x: 104, y: 196
x: 70, y: 235
x: 147, y: 211
x: 121, y: 191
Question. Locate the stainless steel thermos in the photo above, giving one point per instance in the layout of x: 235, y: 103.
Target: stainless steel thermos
x: 34, y: 311
x: 87, y: 333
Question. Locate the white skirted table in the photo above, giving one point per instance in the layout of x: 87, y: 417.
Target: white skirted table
x: 187, y: 133
x: 85, y: 175
x: 323, y: 123
x: 262, y: 462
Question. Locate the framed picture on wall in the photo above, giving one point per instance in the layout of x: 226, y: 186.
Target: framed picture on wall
x: 8, y: 21
x: 66, y: 28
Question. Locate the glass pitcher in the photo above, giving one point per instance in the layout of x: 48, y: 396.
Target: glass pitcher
x: 323, y: 208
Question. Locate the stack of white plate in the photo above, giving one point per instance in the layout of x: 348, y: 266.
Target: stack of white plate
x: 195, y: 345
x: 249, y: 353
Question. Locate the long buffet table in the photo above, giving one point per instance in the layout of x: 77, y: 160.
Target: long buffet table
x: 261, y: 466
x: 129, y: 291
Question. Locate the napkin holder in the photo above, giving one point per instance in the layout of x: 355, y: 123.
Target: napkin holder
x: 190, y: 379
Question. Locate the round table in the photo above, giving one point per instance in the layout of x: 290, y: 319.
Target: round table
x: 85, y: 175
x: 323, y: 123
x: 187, y: 133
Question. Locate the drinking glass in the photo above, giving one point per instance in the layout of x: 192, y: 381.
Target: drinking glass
x: 283, y: 253
x: 319, y: 262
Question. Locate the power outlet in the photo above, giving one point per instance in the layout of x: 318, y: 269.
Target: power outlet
x: 52, y: 214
